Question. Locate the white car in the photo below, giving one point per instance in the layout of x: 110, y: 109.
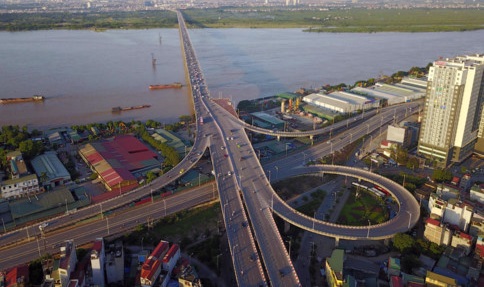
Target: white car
x: 229, y: 173
x: 43, y: 225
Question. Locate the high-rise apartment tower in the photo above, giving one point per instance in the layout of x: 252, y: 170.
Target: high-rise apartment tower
x: 452, y: 109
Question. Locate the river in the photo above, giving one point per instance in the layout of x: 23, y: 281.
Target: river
x: 84, y: 74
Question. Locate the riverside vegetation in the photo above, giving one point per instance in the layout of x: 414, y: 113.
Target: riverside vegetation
x: 312, y: 20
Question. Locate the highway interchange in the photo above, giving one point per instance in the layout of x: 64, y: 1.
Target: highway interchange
x: 246, y: 197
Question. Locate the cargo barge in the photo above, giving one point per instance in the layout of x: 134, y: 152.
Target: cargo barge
x: 120, y: 109
x: 175, y: 85
x: 35, y: 98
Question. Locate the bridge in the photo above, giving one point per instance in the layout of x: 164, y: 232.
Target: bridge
x: 246, y: 196
x: 245, y: 192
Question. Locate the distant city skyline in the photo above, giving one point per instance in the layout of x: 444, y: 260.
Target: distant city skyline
x: 38, y: 6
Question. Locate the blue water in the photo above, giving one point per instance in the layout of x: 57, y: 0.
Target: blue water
x: 83, y: 74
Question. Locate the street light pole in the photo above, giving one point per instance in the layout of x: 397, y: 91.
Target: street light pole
x: 272, y: 202
x: 164, y: 203
x: 409, y: 219
x: 269, y: 175
x: 289, y: 241
x: 67, y: 210
x: 102, y: 214
x: 304, y: 158
x: 107, y: 223
x: 4, y: 229
x: 217, y: 260
x: 151, y: 193
x: 381, y: 124
x: 277, y: 171
x: 38, y: 246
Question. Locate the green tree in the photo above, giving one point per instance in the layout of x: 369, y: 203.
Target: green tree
x: 409, y: 262
x: 441, y: 175
x: 403, y: 242
x: 412, y: 163
x: 150, y: 176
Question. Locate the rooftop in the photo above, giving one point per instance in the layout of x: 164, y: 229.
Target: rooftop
x: 50, y: 165
x: 336, y: 262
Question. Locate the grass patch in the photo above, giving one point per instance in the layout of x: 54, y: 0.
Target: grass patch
x: 293, y: 186
x: 184, y: 227
x: 313, y: 204
x: 358, y: 210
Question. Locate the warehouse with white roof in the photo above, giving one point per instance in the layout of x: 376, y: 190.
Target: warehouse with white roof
x: 341, y: 102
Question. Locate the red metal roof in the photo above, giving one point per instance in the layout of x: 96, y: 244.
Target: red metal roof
x: 171, y: 252
x: 115, y: 160
x: 160, y: 249
x: 128, y: 151
x: 148, y: 273
x: 16, y: 273
x: 465, y: 235
x: 480, y: 250
x: 97, y: 245
x: 415, y: 284
x: 432, y: 221
x: 397, y: 281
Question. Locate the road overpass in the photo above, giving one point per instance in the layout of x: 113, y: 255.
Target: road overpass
x: 235, y: 162
x: 258, y: 252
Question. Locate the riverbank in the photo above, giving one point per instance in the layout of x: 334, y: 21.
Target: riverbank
x: 354, y: 20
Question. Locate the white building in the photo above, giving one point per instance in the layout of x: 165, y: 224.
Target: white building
x: 19, y: 187
x: 341, y: 102
x: 452, y: 109
x: 477, y: 193
x: 98, y: 262
x: 452, y: 211
x: 462, y: 240
x: 171, y: 257
x: 392, y: 94
x: 437, y: 232
x: 64, y: 266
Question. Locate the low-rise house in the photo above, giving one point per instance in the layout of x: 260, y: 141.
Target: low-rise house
x: 152, y: 266
x: 434, y: 279
x: 18, y: 187
x: 334, y: 268
x: 98, y: 262
x: 452, y: 211
x: 64, y: 265
x: 476, y: 193
x: 18, y: 167
x: 393, y: 267
x: 17, y: 276
x: 437, y: 232
x: 50, y: 170
x: 171, y: 257
x: 463, y: 241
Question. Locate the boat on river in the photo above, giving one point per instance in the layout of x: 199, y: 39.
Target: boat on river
x: 120, y: 109
x: 35, y: 98
x: 175, y: 85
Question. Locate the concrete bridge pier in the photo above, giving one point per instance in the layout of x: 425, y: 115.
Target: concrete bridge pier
x: 336, y: 242
x: 311, y: 137
x: 386, y: 241
x: 278, y: 138
x: 287, y: 226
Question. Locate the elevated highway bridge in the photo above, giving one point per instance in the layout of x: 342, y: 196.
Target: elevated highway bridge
x: 246, y: 196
